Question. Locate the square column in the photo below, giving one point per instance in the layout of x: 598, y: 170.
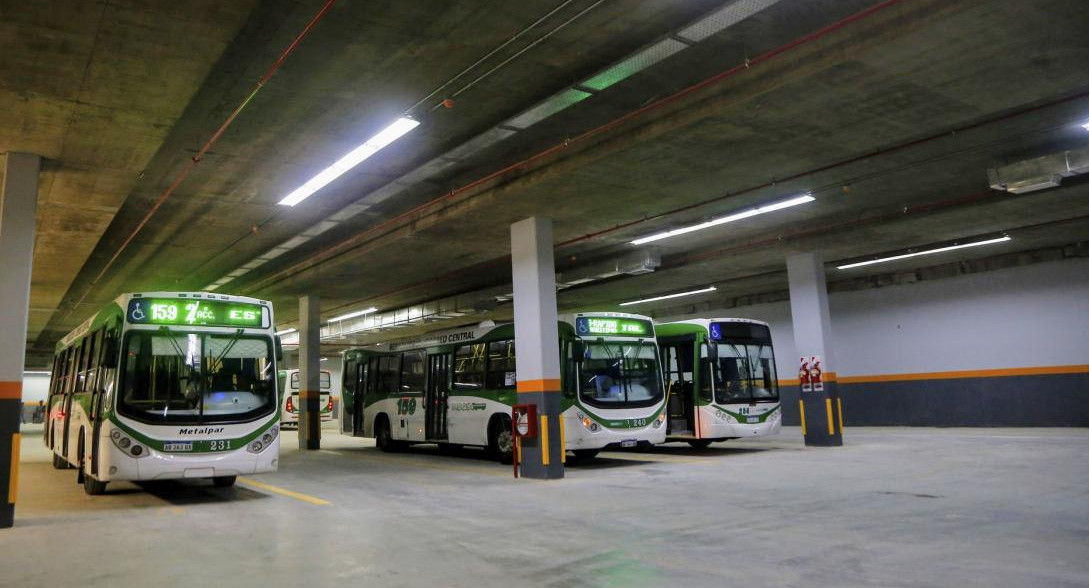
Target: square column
x: 821, y: 408
x: 18, y: 210
x: 309, y: 372
x: 537, y: 343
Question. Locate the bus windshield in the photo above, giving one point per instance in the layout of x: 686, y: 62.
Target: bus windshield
x: 619, y: 374
x: 194, y: 378
x: 744, y: 373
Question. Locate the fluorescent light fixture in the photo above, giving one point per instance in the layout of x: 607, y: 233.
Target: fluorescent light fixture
x: 728, y: 218
x: 352, y: 314
x: 924, y: 252
x: 1085, y: 126
x: 353, y: 158
x: 286, y: 332
x: 37, y: 373
x: 325, y: 359
x: 668, y: 296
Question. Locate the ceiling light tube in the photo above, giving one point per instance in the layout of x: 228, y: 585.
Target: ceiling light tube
x: 667, y: 296
x: 925, y: 252
x: 352, y: 159
x: 728, y: 218
x: 1085, y: 126
x: 352, y: 314
x: 286, y: 332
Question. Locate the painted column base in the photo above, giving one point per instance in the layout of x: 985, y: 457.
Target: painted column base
x: 822, y: 424
x: 542, y: 458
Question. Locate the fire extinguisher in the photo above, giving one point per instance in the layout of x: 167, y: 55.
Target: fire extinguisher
x: 803, y: 375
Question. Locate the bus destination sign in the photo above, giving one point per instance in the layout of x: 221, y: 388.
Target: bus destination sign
x: 207, y: 313
x: 623, y: 327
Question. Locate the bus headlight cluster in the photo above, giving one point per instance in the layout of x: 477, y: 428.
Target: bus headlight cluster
x: 588, y: 422
x: 658, y: 421
x: 125, y: 444
x: 257, y: 445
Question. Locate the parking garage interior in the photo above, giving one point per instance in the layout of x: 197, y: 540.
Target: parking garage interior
x: 890, y: 196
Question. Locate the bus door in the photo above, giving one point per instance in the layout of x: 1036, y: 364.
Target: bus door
x: 677, y: 355
x: 358, y: 390
x: 438, y: 395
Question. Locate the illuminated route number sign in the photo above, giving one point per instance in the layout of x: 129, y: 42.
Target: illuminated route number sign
x: 586, y: 325
x: 209, y: 313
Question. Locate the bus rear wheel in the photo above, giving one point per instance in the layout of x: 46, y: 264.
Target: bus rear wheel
x: 224, y: 481
x: 59, y: 463
x: 700, y: 443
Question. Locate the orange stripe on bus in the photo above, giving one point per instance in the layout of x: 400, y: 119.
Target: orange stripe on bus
x: 11, y: 390
x: 548, y: 385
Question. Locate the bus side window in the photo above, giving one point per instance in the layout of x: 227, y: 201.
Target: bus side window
x: 469, y: 367
x: 389, y: 375
x: 412, y: 372
x: 501, y: 373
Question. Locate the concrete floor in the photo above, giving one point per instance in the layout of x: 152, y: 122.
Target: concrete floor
x: 894, y: 507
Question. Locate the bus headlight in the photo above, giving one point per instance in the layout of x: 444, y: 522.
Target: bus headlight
x: 125, y: 444
x: 590, y: 424
x: 255, y: 447
x: 658, y: 421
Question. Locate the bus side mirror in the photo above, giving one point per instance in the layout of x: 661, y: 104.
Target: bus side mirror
x: 279, y: 349
x: 578, y: 350
x: 109, y: 359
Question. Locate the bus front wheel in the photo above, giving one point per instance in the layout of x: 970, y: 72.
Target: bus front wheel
x: 383, y: 438
x: 700, y: 443
x: 500, y: 439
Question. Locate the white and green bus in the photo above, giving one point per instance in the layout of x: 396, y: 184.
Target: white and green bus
x: 456, y: 387
x: 167, y: 385
x: 721, y: 379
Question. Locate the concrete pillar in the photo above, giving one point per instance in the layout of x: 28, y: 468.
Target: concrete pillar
x: 18, y: 210
x: 821, y: 409
x: 537, y: 343
x: 309, y: 372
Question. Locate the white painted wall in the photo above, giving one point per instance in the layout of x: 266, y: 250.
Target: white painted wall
x: 35, y: 388
x: 1036, y: 315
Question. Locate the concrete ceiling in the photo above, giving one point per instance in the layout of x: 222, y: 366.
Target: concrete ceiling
x: 888, y: 113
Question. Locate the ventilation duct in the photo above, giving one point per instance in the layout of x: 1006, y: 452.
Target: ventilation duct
x: 641, y: 261
x: 1040, y: 173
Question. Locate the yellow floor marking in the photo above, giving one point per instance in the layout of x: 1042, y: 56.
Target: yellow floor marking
x: 284, y: 492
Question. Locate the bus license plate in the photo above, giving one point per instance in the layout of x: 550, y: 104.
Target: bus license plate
x: 754, y: 419
x: 178, y: 446
x: 629, y: 443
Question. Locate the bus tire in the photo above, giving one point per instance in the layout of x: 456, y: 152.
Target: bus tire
x: 91, y: 486
x: 224, y: 481
x: 700, y: 443
x: 500, y: 439
x: 383, y: 436
x: 58, y: 462
x: 585, y: 454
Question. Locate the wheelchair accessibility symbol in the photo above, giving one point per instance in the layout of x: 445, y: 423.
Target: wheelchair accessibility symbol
x: 716, y: 331
x: 138, y: 313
